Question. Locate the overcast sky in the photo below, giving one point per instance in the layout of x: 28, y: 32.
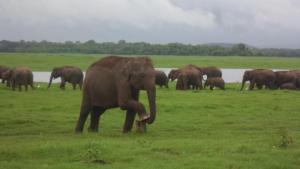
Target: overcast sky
x: 262, y: 23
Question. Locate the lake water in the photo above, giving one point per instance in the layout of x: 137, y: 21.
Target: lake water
x: 229, y: 75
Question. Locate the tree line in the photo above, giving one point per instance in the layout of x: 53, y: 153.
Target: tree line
x: 141, y: 48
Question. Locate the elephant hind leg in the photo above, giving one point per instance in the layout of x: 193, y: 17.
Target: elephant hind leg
x: 95, y: 118
x: 74, y: 86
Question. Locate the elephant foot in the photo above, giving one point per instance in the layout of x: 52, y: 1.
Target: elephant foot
x: 144, y: 118
x: 140, y: 126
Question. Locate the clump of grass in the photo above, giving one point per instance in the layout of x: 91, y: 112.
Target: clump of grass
x: 93, y: 155
x: 286, y: 139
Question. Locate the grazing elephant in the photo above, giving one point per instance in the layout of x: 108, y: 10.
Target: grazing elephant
x: 189, y: 76
x: 289, y: 86
x: 260, y: 78
x: 215, y: 82
x: 69, y: 74
x: 211, y: 71
x: 2, y: 70
x: 161, y: 79
x: 115, y: 81
x: 19, y: 76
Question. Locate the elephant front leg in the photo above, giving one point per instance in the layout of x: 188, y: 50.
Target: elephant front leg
x: 62, y: 84
x: 129, y: 120
x: 252, y: 83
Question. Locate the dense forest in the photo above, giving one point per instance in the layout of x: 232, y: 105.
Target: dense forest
x: 143, y: 48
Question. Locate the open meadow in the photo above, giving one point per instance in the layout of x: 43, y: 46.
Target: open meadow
x: 228, y: 129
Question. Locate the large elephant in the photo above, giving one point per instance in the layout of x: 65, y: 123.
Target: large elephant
x: 161, y: 79
x: 284, y: 77
x: 189, y: 76
x: 69, y: 74
x: 2, y: 70
x: 19, y: 76
x: 211, y: 71
x: 215, y: 82
x: 260, y: 78
x: 115, y: 81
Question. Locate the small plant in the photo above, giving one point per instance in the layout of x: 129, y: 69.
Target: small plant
x: 286, y: 139
x: 93, y: 155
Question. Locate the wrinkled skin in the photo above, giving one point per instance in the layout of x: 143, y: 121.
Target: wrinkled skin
x: 260, y: 78
x: 215, y: 82
x: 124, y: 78
x: 18, y: 77
x: 2, y: 70
x: 69, y: 74
x: 211, y: 71
x: 289, y: 86
x: 189, y: 76
x: 161, y: 79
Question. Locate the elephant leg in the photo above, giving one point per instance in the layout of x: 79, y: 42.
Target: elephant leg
x: 62, y: 84
x: 211, y: 87
x: 259, y: 86
x: 74, y: 86
x: 20, y: 87
x: 84, y: 112
x: 80, y: 84
x: 252, y: 83
x: 26, y: 87
x: 95, y: 118
x: 130, y: 115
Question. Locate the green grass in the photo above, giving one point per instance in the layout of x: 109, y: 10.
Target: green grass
x: 229, y: 129
x: 45, y: 62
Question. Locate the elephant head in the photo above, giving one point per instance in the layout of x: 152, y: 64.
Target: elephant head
x: 173, y: 74
x: 56, y: 72
x: 246, y: 77
x: 141, y: 76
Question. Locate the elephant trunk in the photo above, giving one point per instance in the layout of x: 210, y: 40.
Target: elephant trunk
x: 152, y: 104
x: 50, y: 81
x: 243, y: 83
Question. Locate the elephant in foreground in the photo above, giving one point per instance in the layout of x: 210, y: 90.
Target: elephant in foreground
x: 260, y: 78
x: 215, y: 82
x: 161, y: 79
x: 189, y: 76
x: 115, y: 81
x: 211, y: 71
x: 2, y: 70
x: 69, y: 74
x: 19, y: 76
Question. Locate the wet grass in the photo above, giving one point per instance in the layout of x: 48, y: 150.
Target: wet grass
x: 229, y: 129
x: 45, y: 62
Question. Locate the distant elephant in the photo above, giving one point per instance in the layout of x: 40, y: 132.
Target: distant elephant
x: 211, y: 71
x: 173, y: 74
x: 2, y: 70
x: 19, y: 76
x: 189, y: 76
x: 115, y: 81
x: 260, y: 78
x: 69, y: 74
x: 289, y: 86
x: 161, y: 79
x: 215, y: 82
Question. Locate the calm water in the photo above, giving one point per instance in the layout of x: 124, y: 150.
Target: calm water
x: 229, y: 75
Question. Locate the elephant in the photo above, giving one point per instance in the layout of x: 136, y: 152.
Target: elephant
x: 211, y: 71
x: 2, y: 70
x: 189, y: 76
x: 115, y: 81
x: 161, y: 79
x: 69, y: 74
x: 19, y: 76
x: 260, y: 78
x: 288, y: 85
x: 283, y: 77
x: 215, y: 82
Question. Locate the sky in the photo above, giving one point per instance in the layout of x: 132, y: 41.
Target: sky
x: 261, y: 23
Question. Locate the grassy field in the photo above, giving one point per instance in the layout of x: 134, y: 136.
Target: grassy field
x: 229, y: 129
x: 45, y: 62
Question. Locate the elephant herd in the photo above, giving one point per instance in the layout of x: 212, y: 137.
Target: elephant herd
x: 23, y: 76
x: 115, y: 81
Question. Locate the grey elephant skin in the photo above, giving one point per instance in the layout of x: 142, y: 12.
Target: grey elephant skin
x: 70, y: 74
x: 259, y: 78
x: 115, y: 81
